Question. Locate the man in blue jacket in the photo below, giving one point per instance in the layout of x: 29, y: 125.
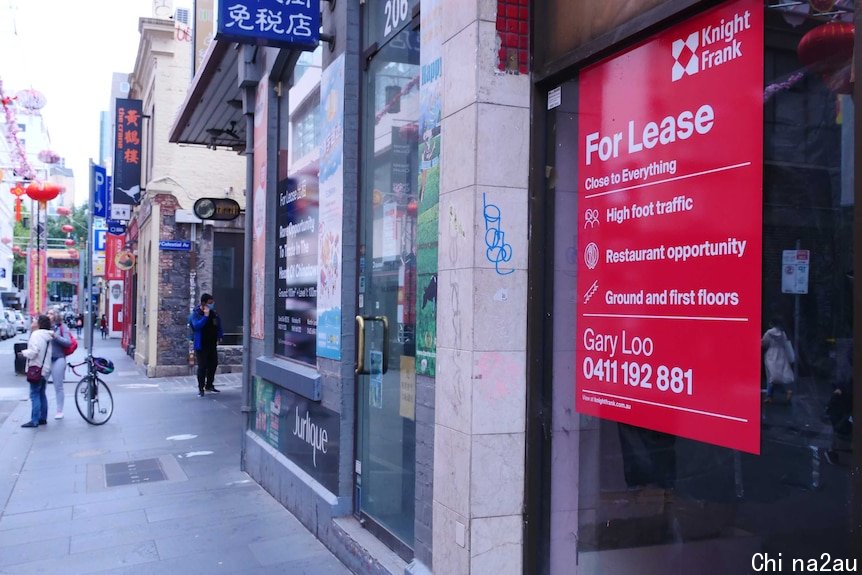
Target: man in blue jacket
x: 208, y: 333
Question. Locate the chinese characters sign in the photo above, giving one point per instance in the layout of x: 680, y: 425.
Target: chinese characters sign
x: 669, y: 230
x: 127, y: 153
x: 283, y: 23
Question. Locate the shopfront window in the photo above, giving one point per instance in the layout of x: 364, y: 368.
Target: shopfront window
x: 296, y: 221
x: 729, y: 444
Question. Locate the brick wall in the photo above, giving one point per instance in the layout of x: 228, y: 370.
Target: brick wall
x: 513, y: 29
x: 173, y: 289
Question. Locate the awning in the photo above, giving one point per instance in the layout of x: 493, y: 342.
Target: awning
x: 211, y: 114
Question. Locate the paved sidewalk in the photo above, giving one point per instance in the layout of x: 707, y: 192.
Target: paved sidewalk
x: 58, y: 514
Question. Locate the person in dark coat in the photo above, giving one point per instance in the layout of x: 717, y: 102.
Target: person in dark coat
x: 208, y: 333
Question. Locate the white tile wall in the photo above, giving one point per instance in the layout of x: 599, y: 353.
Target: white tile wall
x: 453, y: 389
x: 479, y: 449
x: 459, y: 75
x: 499, y: 391
x: 497, y: 543
x: 500, y: 311
x: 457, y: 163
x: 452, y: 469
x: 458, y: 229
x: 503, y: 146
x: 450, y: 557
x: 497, y: 478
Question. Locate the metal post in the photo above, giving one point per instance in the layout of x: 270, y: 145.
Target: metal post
x: 247, y: 251
x: 796, y: 336
x: 88, y: 322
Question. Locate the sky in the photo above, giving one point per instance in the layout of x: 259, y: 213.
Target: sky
x: 68, y: 50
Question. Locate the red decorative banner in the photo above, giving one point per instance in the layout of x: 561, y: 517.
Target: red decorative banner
x: 38, y: 277
x: 113, y: 251
x: 669, y: 240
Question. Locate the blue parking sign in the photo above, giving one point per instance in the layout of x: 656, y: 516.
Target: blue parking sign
x: 99, y: 239
x: 99, y: 179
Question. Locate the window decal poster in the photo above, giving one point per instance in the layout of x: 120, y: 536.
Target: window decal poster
x: 669, y: 230
x: 428, y: 217
x: 258, y: 237
x: 331, y: 210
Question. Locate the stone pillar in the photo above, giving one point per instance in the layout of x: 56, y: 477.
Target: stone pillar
x: 482, y: 301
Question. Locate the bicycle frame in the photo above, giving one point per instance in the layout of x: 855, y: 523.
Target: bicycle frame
x: 87, y: 394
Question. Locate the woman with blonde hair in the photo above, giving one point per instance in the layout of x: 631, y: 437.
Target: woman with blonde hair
x: 62, y: 340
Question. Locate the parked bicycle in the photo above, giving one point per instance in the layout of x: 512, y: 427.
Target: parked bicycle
x: 92, y: 396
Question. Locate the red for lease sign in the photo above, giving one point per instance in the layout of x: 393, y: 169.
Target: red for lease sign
x: 669, y: 237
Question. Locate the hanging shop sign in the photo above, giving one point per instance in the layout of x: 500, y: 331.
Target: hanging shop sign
x: 281, y: 23
x: 221, y: 209
x: 669, y: 230
x: 127, y: 158
x: 114, y: 251
x: 116, y: 228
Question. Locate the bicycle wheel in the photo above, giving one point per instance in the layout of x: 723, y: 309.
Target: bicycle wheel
x: 94, y: 400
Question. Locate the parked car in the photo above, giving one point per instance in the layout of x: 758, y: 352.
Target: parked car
x: 20, y: 322
x: 7, y: 328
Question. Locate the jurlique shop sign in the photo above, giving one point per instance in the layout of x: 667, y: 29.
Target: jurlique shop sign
x: 302, y: 430
x: 669, y: 230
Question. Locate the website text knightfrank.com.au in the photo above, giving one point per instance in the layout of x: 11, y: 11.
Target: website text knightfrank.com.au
x: 605, y: 401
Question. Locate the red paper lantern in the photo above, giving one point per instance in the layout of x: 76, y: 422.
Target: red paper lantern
x: 827, y: 50
x: 6, y: 240
x: 412, y: 208
x: 68, y: 228
x: 63, y: 211
x: 73, y: 253
x: 16, y: 250
x: 69, y: 242
x: 44, y: 192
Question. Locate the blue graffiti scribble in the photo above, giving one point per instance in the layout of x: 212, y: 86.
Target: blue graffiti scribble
x: 498, y: 250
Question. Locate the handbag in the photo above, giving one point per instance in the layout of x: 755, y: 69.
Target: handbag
x: 73, y: 345
x: 34, y: 372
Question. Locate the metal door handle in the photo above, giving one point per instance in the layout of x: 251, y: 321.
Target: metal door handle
x: 360, y: 347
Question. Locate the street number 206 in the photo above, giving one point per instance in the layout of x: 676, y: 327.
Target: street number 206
x: 396, y: 12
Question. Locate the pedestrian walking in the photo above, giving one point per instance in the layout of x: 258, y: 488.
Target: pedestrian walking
x: 38, y: 348
x: 62, y: 341
x: 103, y: 326
x: 79, y: 323
x: 778, y: 358
x: 208, y: 333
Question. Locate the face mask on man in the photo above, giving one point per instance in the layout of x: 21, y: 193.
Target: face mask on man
x: 211, y: 305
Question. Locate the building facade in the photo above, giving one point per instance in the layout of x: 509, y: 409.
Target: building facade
x: 532, y: 305
x: 178, y: 256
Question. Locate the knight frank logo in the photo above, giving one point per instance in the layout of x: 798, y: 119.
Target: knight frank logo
x: 710, y: 47
x: 685, y: 57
